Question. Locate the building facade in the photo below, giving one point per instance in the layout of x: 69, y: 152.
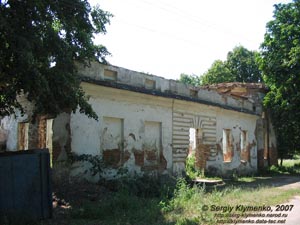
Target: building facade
x: 148, y: 124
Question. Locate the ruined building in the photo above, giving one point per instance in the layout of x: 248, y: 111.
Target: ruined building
x: 150, y: 124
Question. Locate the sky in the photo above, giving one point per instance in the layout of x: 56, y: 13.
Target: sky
x: 170, y: 37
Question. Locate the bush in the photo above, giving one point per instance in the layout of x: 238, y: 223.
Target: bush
x: 190, y: 169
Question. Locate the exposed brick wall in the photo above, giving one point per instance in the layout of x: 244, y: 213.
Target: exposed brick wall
x: 42, y: 132
x: 139, y: 157
x: 201, y: 155
x: 112, y: 157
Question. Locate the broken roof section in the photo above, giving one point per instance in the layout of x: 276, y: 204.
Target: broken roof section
x: 253, y: 92
x: 242, y: 97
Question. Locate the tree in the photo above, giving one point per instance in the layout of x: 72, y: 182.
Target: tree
x: 40, y: 40
x: 243, y: 65
x: 280, y: 64
x: 217, y: 73
x: 190, y: 79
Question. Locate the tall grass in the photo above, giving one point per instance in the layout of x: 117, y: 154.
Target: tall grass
x: 184, y: 206
x: 188, y: 202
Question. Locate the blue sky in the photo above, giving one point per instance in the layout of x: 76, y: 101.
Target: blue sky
x: 170, y: 37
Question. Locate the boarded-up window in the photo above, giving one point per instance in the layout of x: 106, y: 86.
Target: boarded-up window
x: 110, y: 74
x: 153, y: 141
x: 112, y: 140
x: 227, y: 145
x: 193, y: 93
x: 149, y: 84
x: 23, y: 136
x: 112, y: 133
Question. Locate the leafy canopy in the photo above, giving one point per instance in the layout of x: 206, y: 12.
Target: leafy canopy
x: 190, y: 79
x: 39, y: 42
x: 280, y: 64
x: 241, y: 65
x: 217, y: 73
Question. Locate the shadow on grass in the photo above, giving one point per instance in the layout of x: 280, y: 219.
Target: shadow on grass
x: 127, y: 201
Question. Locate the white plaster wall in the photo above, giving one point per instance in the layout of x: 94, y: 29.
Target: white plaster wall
x: 236, y: 122
x: 61, y: 134
x: 133, y: 78
x: 85, y: 133
x: 9, y: 127
x: 134, y: 109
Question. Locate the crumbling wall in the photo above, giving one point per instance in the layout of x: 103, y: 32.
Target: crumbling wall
x: 145, y: 133
x: 10, y: 132
x: 239, y: 130
x: 61, y: 137
x: 134, y: 131
x: 188, y: 115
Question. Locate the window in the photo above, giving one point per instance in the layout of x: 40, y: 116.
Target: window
x: 244, y: 140
x: 153, y: 141
x: 110, y: 75
x: 112, y: 141
x: 193, y: 93
x: 149, y: 84
x: 227, y: 145
x: 245, y: 152
x: 112, y: 133
x: 192, y: 134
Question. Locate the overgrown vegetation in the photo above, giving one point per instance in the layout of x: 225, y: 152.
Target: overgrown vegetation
x: 169, y: 201
x: 182, y: 206
x: 190, y: 169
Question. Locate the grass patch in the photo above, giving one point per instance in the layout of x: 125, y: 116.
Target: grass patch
x: 188, y: 202
x: 182, y: 207
x: 246, y: 179
x: 121, y: 208
x: 289, y: 166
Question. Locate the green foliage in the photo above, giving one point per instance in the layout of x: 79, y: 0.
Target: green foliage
x: 289, y: 166
x: 190, y: 169
x: 217, y: 73
x: 281, y: 69
x: 184, y: 206
x: 97, y: 164
x: 121, y: 208
x: 39, y: 43
x: 190, y: 79
x: 241, y: 65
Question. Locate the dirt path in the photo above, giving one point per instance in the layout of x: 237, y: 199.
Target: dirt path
x: 293, y: 217
x: 287, y: 213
